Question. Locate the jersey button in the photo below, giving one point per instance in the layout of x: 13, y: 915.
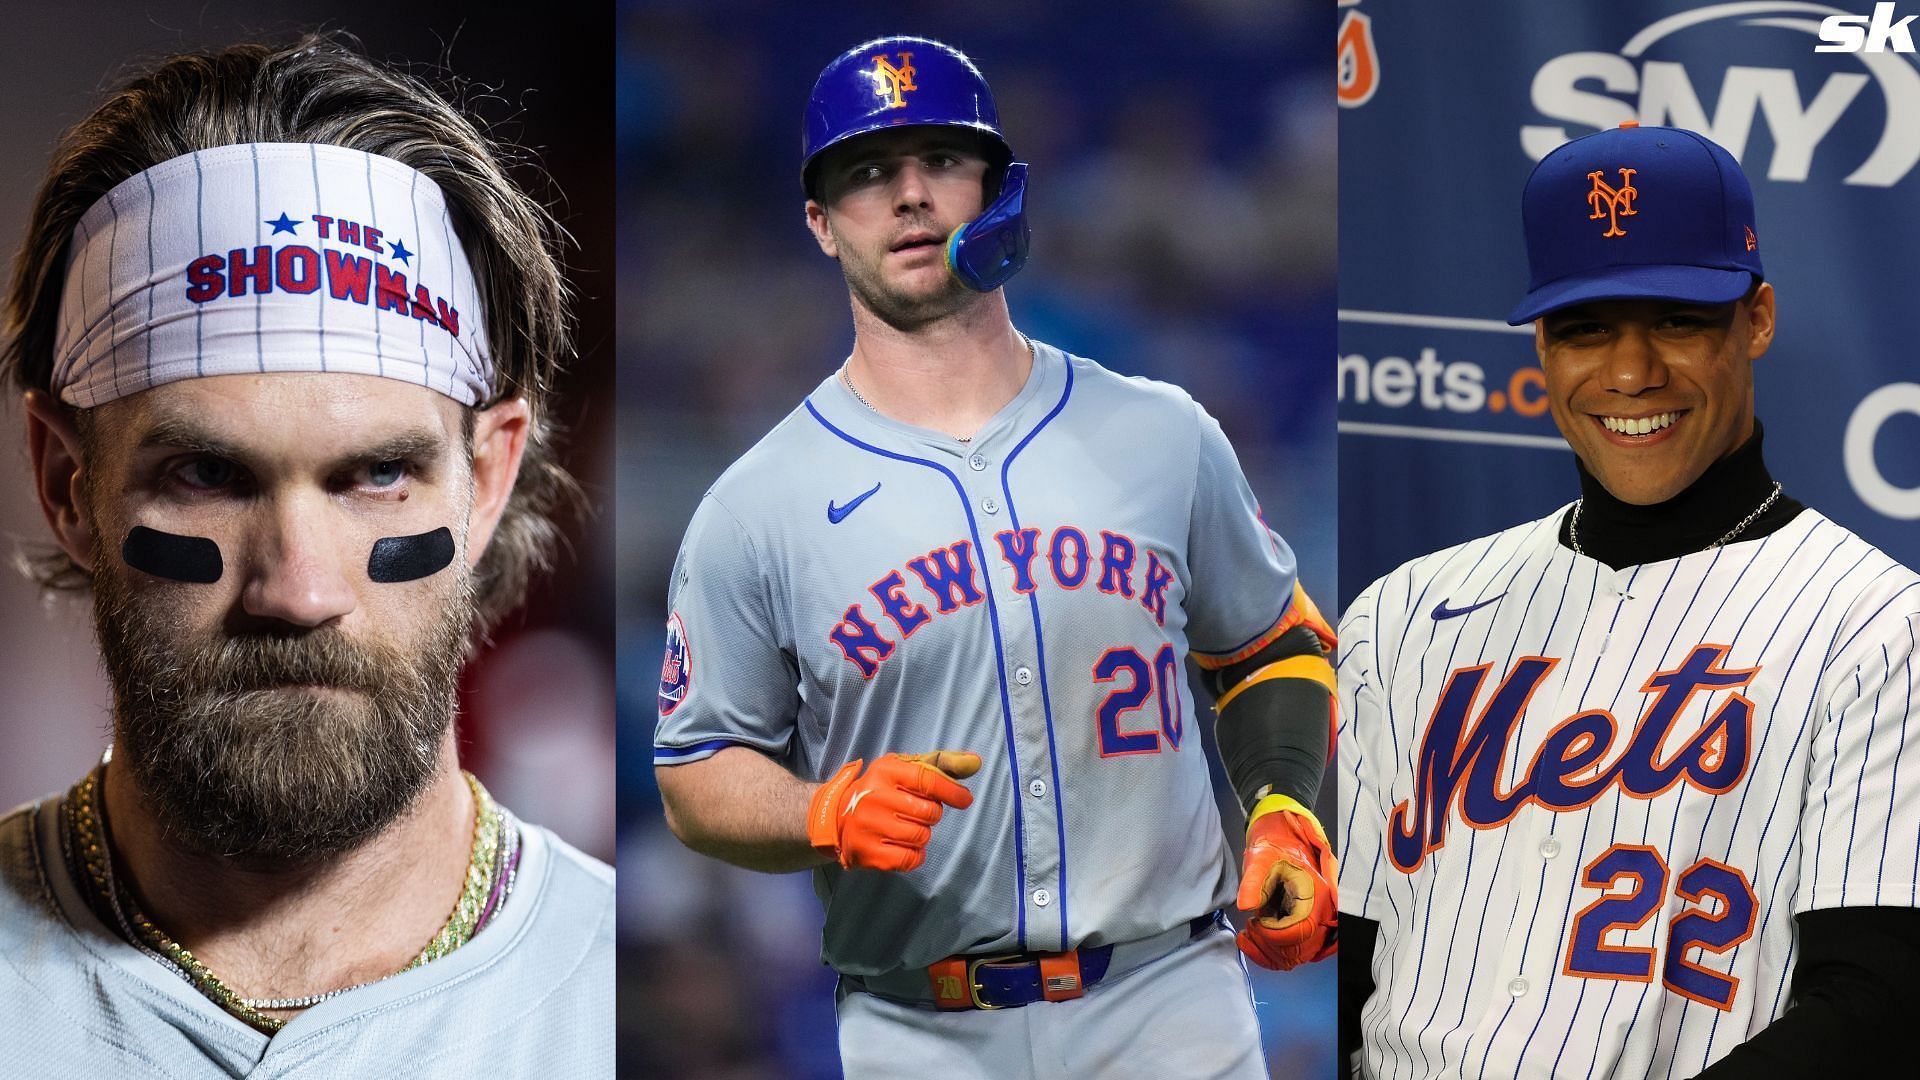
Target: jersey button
x: 1037, y: 788
x: 1041, y: 898
x: 1023, y: 675
x: 1549, y: 848
x: 990, y: 505
x: 1518, y: 988
x: 977, y: 463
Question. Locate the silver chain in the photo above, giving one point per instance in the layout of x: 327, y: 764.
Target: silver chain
x: 127, y: 932
x: 506, y: 870
x: 1573, y: 526
x: 855, y: 391
x: 302, y: 1002
x: 847, y: 378
x: 113, y: 890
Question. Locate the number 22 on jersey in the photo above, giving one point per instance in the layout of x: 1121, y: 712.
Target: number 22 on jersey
x: 1720, y: 915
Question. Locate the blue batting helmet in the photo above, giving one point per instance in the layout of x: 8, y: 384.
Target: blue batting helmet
x: 913, y: 82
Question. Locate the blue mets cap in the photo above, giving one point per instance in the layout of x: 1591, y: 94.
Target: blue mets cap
x: 897, y: 82
x: 1637, y: 213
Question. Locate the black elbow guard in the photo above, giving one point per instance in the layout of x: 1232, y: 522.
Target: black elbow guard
x: 1275, y: 726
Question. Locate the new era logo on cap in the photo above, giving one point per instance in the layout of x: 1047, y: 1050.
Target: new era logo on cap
x: 1637, y: 213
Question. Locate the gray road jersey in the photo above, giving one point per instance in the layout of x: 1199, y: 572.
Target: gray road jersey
x: 530, y: 996
x: 854, y: 586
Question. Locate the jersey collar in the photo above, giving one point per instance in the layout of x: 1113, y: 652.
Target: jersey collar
x: 1043, y: 386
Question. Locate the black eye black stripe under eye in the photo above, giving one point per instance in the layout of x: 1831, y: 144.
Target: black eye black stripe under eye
x: 409, y: 558
x: 192, y: 559
x: 196, y: 559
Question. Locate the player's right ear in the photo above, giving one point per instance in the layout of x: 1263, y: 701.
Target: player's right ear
x: 54, y: 444
x: 822, y: 232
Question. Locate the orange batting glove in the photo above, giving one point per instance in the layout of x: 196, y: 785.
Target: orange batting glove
x: 1287, y: 884
x: 883, y: 819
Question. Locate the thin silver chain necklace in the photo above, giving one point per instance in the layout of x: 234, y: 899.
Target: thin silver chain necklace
x: 1573, y: 526
x: 847, y: 378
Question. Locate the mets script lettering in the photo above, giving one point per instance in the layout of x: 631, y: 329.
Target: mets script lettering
x: 1612, y: 203
x: 1466, y: 760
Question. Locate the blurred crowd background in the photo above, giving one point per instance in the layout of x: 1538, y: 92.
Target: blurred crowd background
x: 537, y: 719
x: 1182, y: 202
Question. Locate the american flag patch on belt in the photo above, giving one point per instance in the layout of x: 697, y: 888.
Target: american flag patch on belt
x: 1059, y: 983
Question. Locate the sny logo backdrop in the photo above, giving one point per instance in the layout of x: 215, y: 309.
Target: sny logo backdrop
x: 1444, y: 427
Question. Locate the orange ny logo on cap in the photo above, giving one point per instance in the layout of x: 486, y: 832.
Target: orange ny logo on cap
x: 1752, y: 241
x: 1610, y: 202
x: 892, y: 82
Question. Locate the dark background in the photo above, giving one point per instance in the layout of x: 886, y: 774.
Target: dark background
x: 1182, y: 203
x: 538, y: 711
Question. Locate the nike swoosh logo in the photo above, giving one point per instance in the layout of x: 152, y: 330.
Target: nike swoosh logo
x: 838, y: 514
x: 1442, y: 611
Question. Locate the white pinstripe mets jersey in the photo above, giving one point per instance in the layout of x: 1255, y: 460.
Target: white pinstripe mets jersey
x: 1585, y: 804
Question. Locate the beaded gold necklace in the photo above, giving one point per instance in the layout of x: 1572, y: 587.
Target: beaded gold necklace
x: 490, y: 873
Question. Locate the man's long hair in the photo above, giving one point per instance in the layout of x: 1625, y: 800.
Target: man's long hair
x: 321, y: 89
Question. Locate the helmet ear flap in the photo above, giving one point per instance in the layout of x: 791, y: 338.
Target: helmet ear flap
x: 985, y: 252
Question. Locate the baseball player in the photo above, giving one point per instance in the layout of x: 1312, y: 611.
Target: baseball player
x: 1628, y: 791
x: 283, y: 327
x: 928, y: 638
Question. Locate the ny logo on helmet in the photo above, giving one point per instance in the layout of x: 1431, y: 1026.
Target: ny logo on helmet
x: 1610, y: 202
x: 892, y: 82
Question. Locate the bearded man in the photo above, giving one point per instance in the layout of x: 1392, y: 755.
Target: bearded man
x: 284, y: 328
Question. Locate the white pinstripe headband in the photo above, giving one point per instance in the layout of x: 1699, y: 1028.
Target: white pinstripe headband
x: 269, y: 257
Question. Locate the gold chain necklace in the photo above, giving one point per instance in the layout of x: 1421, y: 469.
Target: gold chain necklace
x: 494, y: 855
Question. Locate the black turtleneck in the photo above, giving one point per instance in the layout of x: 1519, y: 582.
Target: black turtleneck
x: 1623, y: 534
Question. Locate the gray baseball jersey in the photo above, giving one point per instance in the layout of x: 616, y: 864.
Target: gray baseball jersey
x: 854, y: 586
x: 530, y: 996
x: 1584, y: 805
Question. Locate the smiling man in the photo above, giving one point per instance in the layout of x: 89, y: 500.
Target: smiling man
x: 969, y: 556
x: 284, y: 328
x: 1622, y: 787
